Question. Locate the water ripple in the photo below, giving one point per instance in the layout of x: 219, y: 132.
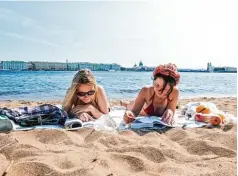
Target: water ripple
x: 52, y: 85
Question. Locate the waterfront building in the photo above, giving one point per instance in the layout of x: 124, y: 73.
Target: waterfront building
x: 85, y: 65
x: 225, y: 69
x: 72, y: 66
x: 211, y: 68
x: 47, y: 66
x: 115, y: 67
x: 96, y: 67
x: 141, y: 64
x: 13, y: 65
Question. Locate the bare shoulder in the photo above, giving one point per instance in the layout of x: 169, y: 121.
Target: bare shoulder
x: 101, y: 94
x: 175, y: 90
x: 100, y: 90
x: 147, y: 90
x: 174, y: 93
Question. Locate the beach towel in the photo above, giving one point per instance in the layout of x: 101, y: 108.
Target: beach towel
x: 113, y: 122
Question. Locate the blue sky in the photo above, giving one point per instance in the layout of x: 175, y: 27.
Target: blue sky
x: 187, y: 33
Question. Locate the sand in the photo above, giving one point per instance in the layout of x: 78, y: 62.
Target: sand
x: 88, y: 152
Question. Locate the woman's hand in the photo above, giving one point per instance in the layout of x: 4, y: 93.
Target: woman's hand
x: 85, y: 117
x: 168, y: 117
x: 129, y: 117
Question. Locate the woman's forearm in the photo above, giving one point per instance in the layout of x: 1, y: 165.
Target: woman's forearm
x: 135, y: 113
x: 77, y: 110
x: 96, y: 113
x: 99, y: 111
x: 88, y: 109
x: 139, y: 103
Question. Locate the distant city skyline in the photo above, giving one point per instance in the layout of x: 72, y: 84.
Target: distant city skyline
x: 187, y: 33
x: 47, y: 65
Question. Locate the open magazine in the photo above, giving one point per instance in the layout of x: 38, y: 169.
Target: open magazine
x: 75, y: 124
x: 151, y: 122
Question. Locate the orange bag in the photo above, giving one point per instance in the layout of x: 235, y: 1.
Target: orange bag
x: 203, y: 109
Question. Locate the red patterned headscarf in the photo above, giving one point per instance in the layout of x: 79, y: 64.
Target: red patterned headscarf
x: 168, y: 70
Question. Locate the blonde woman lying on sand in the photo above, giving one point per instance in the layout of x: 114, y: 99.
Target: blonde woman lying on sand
x: 85, y: 99
x: 157, y: 100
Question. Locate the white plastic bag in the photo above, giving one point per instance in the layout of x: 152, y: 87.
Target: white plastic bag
x: 105, y: 123
x: 190, y: 109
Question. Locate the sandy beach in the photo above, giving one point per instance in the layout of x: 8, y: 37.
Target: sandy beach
x: 87, y: 152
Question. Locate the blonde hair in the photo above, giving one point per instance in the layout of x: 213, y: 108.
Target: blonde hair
x: 84, y: 76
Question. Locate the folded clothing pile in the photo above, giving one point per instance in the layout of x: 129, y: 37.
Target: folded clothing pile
x: 205, y: 112
x: 45, y: 114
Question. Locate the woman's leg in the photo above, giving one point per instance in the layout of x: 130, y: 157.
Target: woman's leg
x: 129, y: 105
x: 124, y: 103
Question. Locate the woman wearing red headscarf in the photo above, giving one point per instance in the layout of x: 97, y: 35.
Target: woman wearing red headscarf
x: 157, y: 100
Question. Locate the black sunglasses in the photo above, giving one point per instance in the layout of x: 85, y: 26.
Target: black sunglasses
x: 89, y: 93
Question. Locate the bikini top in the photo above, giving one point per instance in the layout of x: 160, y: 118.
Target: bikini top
x: 150, y: 109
